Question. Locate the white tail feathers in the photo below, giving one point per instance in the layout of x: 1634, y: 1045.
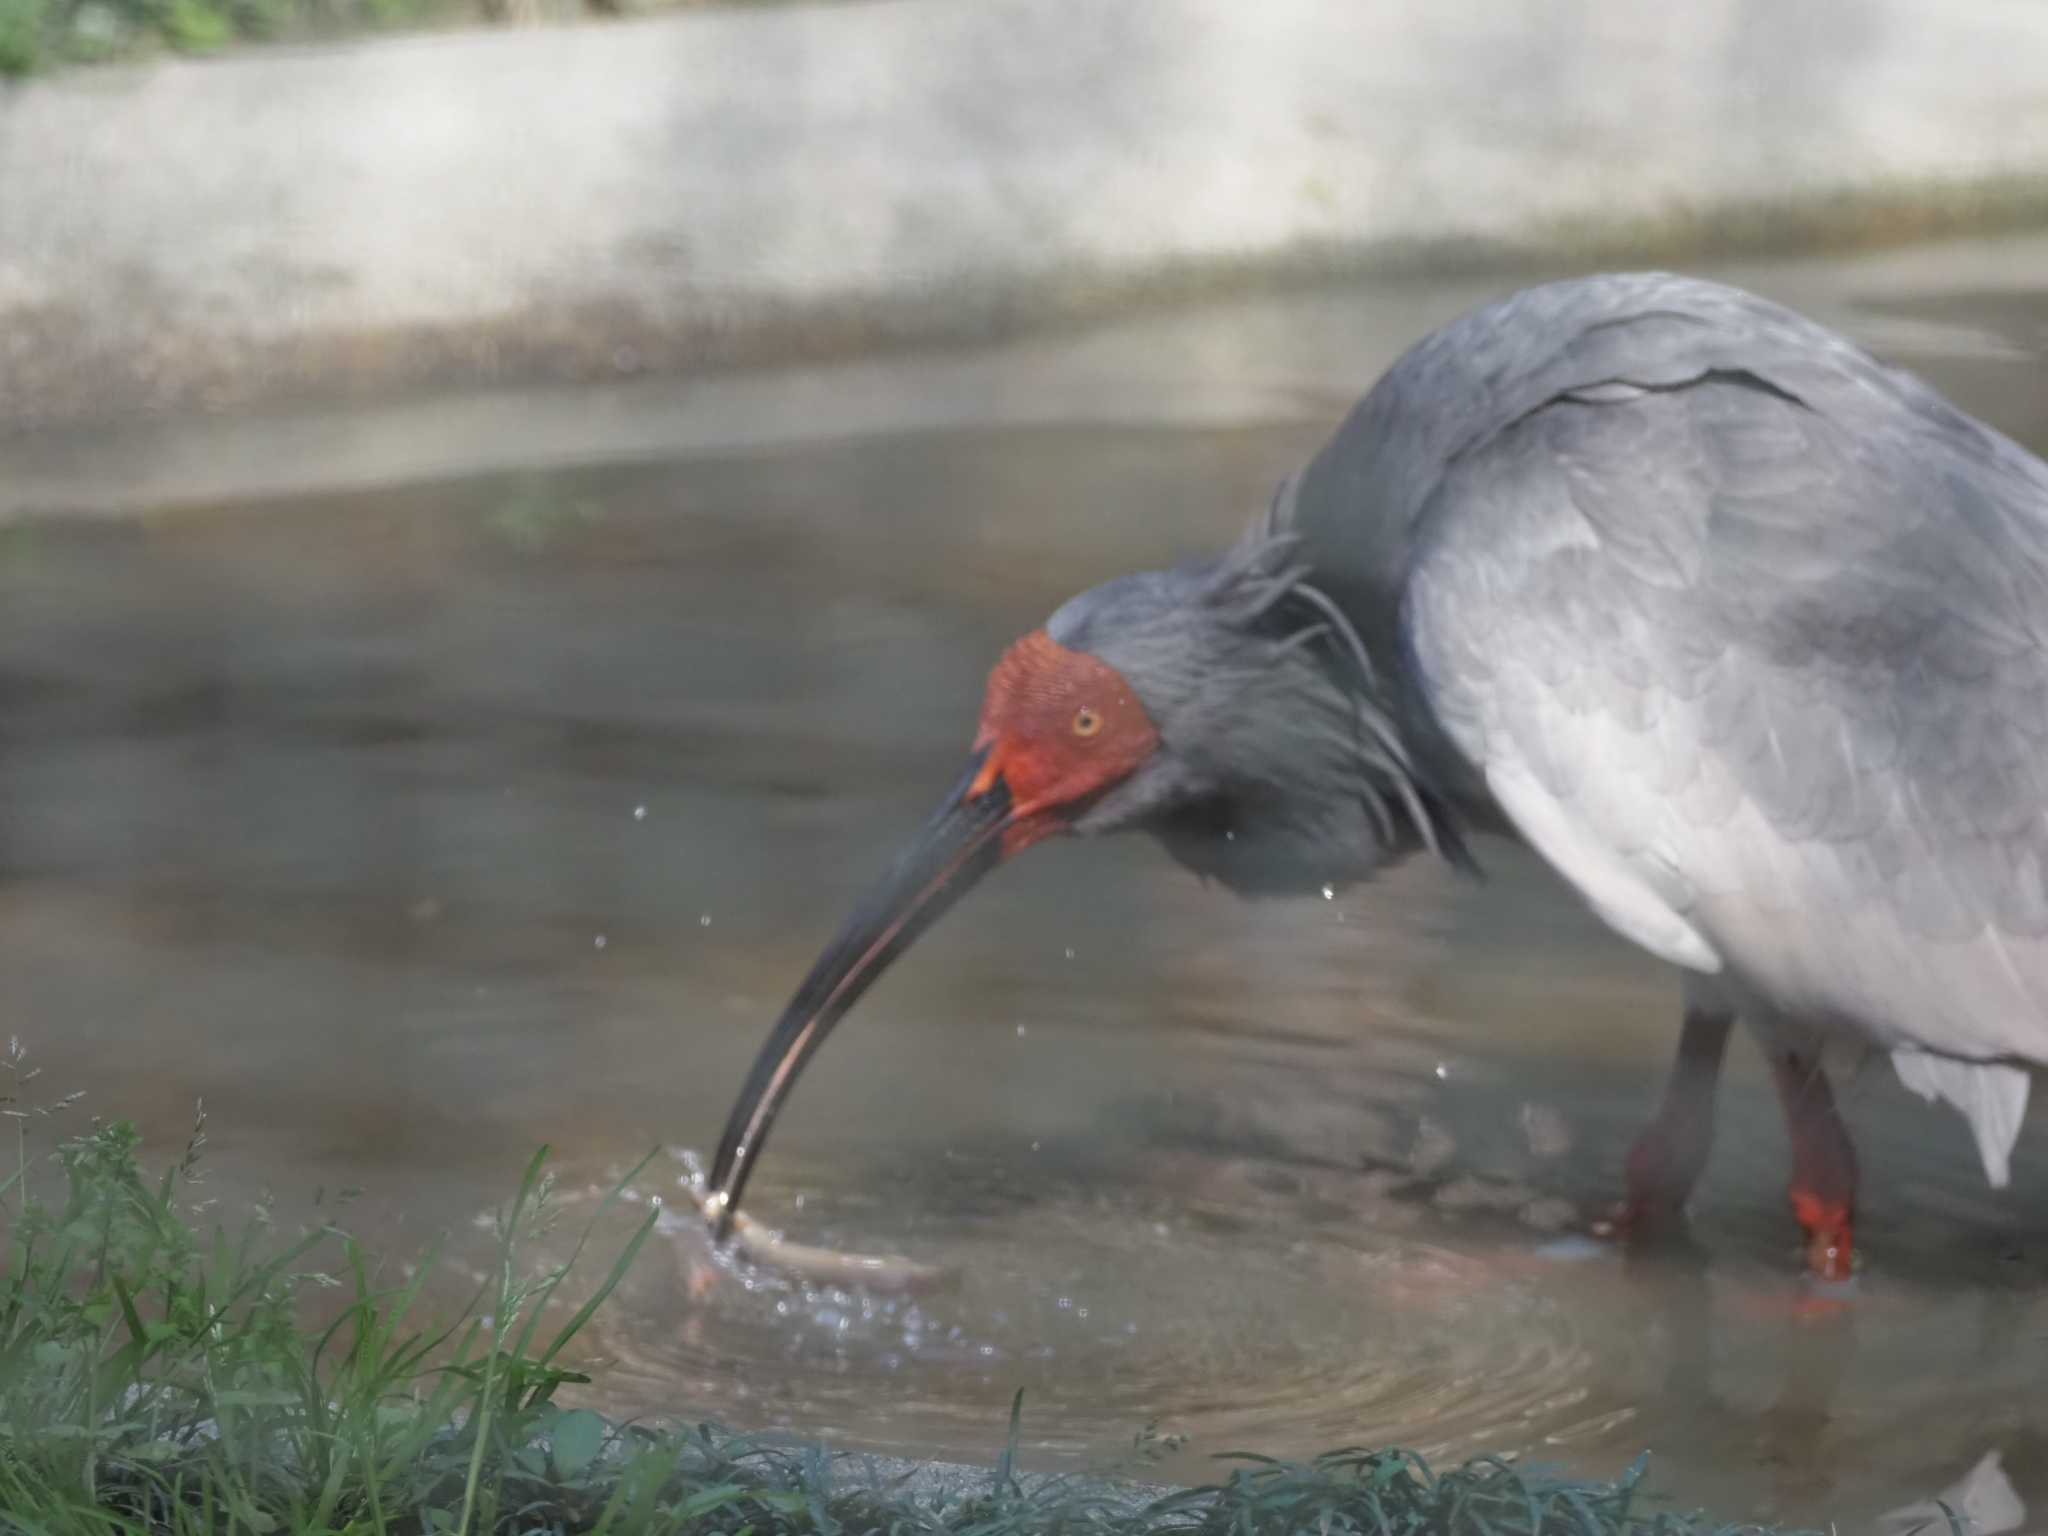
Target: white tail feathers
x: 1991, y: 1096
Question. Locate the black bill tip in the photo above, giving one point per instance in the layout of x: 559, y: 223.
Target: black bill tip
x: 961, y: 843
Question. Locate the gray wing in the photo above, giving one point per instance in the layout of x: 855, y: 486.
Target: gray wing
x: 1758, y: 658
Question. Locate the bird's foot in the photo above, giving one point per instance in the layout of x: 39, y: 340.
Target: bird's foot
x: 1644, y: 1225
x: 1810, y: 1300
x: 1829, y: 1226
x: 1631, y: 1220
x: 1824, y: 1174
x: 1663, y: 1166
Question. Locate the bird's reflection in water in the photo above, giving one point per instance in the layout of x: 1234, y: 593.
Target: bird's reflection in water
x: 1808, y: 1445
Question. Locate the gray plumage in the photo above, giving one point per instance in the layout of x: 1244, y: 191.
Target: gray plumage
x: 1743, y: 631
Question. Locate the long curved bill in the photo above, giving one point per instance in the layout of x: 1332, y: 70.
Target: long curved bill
x: 959, y: 845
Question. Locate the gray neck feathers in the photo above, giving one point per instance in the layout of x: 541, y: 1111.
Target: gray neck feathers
x: 1267, y: 703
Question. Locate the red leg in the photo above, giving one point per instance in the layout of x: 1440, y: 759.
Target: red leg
x: 1669, y: 1155
x: 1823, y: 1165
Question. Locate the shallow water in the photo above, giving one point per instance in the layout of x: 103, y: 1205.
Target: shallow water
x: 412, y: 827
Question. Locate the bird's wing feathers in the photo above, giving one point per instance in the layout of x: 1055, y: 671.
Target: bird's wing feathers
x: 1756, y: 650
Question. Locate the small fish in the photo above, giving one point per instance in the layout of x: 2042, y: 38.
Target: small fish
x: 888, y: 1273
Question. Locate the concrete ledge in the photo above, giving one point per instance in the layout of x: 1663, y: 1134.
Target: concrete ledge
x: 723, y: 186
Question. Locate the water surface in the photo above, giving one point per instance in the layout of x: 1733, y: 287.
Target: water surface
x: 412, y: 826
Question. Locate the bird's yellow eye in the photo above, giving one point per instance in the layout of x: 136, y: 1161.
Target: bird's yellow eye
x: 1087, y: 722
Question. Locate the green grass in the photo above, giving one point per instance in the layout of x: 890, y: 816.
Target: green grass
x: 156, y: 1377
x: 37, y: 35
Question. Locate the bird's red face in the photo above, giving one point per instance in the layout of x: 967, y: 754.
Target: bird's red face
x: 1058, y: 728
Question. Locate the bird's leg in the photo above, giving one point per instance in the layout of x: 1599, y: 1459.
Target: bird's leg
x: 1823, y: 1164
x: 1669, y: 1155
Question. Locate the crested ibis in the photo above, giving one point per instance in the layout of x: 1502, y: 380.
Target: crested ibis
x: 1742, y: 631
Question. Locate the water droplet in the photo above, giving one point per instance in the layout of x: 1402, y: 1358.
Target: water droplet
x: 1070, y: 951
x: 1034, y: 1146
x: 639, y: 813
x: 1080, y: 1312
x: 1229, y: 837
x: 1329, y: 893
x: 1065, y: 1303
x: 800, y: 1199
x: 1442, y: 1071
x: 1020, y: 1031
x: 704, y: 920
x: 598, y: 941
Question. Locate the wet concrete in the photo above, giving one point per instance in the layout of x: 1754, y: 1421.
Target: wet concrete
x: 749, y: 183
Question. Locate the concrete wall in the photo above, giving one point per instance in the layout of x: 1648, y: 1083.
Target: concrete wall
x: 723, y: 183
